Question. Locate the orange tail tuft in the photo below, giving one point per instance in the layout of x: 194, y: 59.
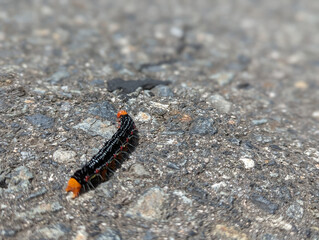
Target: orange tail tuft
x: 73, y: 186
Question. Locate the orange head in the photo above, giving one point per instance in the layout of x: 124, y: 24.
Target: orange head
x: 121, y: 113
x: 73, y: 186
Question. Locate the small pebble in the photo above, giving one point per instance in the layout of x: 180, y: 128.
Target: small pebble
x: 64, y: 156
x: 223, y: 79
x: 96, y: 127
x: 301, y: 85
x: 148, y: 206
x: 228, y: 232
x: 81, y: 234
x: 203, y: 126
x: 58, y: 76
x: 183, y: 197
x: 139, y: 170
x: 177, y: 32
x: 315, y: 115
x: 220, y: 103
x: 259, y: 122
x: 143, y: 117
x: 295, y: 211
x: 249, y: 163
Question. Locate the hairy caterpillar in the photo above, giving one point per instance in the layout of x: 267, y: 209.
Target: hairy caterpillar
x: 108, y: 159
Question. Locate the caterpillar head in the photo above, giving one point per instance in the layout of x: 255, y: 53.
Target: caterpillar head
x: 73, y: 186
x: 121, y: 113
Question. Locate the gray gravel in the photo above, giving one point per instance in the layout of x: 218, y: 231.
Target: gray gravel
x: 225, y: 95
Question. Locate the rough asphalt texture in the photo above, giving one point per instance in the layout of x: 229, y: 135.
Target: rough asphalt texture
x: 228, y: 149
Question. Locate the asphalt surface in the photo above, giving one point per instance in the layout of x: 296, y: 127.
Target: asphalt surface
x: 225, y: 95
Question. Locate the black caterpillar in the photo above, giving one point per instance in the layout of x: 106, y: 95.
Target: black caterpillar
x: 108, y: 159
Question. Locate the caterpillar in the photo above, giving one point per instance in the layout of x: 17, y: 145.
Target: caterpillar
x: 108, y: 159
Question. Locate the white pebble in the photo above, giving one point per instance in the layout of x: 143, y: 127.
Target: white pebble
x: 143, y: 117
x: 63, y: 156
x: 249, y: 163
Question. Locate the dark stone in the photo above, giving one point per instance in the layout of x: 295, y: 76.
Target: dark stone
x: 269, y: 236
x: 172, y: 166
x: 66, y: 128
x: 199, y: 194
x: 7, y: 233
x: 58, y: 76
x: 191, y: 234
x: 92, y: 97
x: 131, y: 85
x: 2, y: 124
x: 275, y: 147
x: 227, y: 153
x: 283, y: 193
x: 17, y: 92
x: 203, y: 126
x: 263, y: 203
x: 163, y: 91
x: 241, y: 64
x: 117, y: 66
x: 235, y: 141
x: 272, y: 163
x: 7, y: 75
x: 41, y: 121
x: 2, y: 150
x: 149, y: 236
x: 244, y: 85
x: 152, y: 69
x: 45, y: 135
x: 244, y: 60
x: 104, y: 110
x: 164, y: 153
x: 15, y: 125
x: 109, y: 234
x: 41, y: 192
x: 215, y: 145
x: 292, y: 131
x: 3, y: 106
x: 308, y: 233
x: 249, y: 145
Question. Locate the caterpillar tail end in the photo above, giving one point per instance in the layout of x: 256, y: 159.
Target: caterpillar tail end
x: 121, y: 113
x: 73, y: 186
